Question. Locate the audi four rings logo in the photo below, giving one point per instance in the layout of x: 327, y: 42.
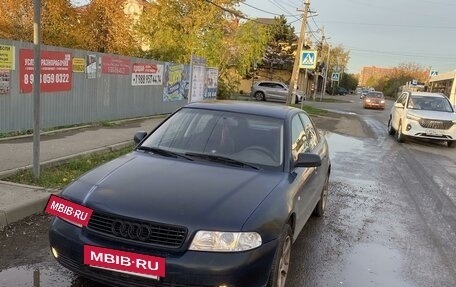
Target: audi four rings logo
x: 130, y: 230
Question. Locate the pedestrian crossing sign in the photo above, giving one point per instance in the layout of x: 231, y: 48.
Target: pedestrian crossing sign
x: 335, y: 77
x: 308, y: 60
x: 434, y: 73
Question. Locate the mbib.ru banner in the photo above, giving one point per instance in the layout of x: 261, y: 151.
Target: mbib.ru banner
x: 74, y: 213
x: 123, y: 261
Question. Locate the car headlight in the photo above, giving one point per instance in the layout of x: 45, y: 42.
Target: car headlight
x: 225, y: 241
x: 368, y: 101
x: 382, y: 101
x: 413, y: 117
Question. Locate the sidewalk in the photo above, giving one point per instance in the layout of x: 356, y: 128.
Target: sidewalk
x: 19, y: 201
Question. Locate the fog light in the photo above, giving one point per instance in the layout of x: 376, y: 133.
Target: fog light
x: 54, y: 252
x: 409, y: 127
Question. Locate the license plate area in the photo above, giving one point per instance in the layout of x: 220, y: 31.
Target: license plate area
x: 130, y: 263
x: 432, y: 132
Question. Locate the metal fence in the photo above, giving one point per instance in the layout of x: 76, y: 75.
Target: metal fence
x: 105, y: 95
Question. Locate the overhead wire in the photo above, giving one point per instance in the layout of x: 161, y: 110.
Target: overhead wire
x: 267, y: 12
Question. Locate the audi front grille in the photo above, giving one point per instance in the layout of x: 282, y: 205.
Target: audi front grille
x: 145, y: 232
x: 435, y: 124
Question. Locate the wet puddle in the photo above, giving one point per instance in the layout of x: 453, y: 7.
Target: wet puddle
x: 373, y: 265
x: 41, y: 276
x: 344, y: 144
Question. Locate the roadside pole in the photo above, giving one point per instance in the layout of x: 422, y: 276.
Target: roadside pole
x: 294, y: 75
x: 36, y: 86
x: 326, y: 73
x: 306, y: 79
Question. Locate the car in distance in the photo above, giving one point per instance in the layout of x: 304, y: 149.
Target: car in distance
x: 273, y: 91
x: 423, y: 115
x: 374, y: 99
x: 216, y: 194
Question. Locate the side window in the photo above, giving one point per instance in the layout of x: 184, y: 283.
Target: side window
x: 279, y: 86
x: 310, y: 131
x: 404, y: 98
x: 298, y: 137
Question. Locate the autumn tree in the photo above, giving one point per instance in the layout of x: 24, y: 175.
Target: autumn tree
x: 58, y: 22
x: 403, y: 73
x: 106, y: 28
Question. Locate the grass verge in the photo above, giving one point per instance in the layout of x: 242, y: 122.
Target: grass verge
x: 57, y: 177
x: 311, y: 110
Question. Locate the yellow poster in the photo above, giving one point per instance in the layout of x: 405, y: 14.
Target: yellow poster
x: 79, y: 65
x: 6, y: 57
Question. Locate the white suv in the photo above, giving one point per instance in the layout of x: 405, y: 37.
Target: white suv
x: 273, y: 91
x: 423, y: 115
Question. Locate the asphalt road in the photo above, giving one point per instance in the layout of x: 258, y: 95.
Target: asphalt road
x: 391, y: 218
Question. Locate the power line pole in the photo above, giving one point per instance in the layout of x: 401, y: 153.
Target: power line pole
x: 294, y: 75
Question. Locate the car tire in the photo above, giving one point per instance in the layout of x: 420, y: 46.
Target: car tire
x: 399, y: 136
x: 281, y: 262
x: 320, y: 208
x: 391, y: 130
x: 259, y: 96
x: 450, y: 143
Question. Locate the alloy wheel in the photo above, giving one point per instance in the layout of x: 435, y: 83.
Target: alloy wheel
x: 284, y: 262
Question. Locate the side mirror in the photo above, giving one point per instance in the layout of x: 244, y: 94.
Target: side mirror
x: 308, y: 160
x: 399, y: 105
x: 139, y: 136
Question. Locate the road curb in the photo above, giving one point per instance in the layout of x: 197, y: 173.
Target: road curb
x: 36, y: 204
x: 60, y: 160
x: 56, y: 131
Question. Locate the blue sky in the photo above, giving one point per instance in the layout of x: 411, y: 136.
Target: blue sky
x: 379, y: 33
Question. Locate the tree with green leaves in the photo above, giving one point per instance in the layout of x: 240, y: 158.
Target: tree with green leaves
x: 281, y: 46
x: 173, y: 30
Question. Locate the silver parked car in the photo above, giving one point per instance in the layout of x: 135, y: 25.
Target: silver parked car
x: 273, y: 91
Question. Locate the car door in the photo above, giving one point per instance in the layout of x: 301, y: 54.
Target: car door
x: 305, y: 182
x: 282, y: 92
x: 398, y: 110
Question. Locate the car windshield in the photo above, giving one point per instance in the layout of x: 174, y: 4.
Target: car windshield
x: 375, y: 95
x: 439, y: 104
x: 251, y: 139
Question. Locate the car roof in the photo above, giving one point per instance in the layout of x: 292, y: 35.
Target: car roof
x: 427, y: 94
x: 254, y: 108
x: 266, y: 81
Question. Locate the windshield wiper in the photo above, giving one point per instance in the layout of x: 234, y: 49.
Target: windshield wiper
x: 163, y: 152
x: 222, y: 159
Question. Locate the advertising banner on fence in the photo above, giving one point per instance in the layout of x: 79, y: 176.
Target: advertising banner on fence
x: 91, y: 68
x: 5, y: 80
x: 115, y: 66
x: 56, y: 71
x: 6, y: 57
x: 147, y: 75
x: 176, y: 81
x: 211, y: 83
x: 198, y: 78
x: 79, y: 65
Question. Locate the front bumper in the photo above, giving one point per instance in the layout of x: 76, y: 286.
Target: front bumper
x: 374, y: 105
x: 412, y: 128
x: 185, y: 269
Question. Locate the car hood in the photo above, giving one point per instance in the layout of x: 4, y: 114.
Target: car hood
x: 434, y: 115
x: 174, y: 191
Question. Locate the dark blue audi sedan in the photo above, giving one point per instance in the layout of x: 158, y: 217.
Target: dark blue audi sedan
x: 213, y: 197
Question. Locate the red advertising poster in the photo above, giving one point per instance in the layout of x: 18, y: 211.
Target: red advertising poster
x: 116, y: 66
x: 69, y: 211
x: 56, y: 71
x: 126, y: 262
